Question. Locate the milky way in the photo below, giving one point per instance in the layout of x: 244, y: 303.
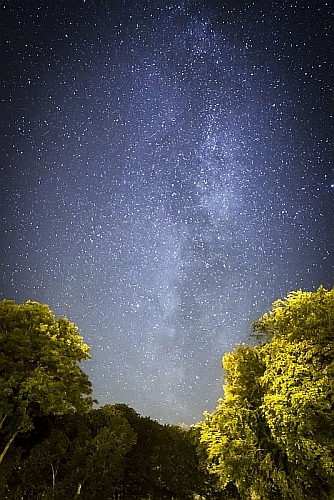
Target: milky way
x: 165, y: 176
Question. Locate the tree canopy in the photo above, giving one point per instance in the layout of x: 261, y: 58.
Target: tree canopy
x: 39, y: 371
x: 272, y: 433
x: 64, y: 448
x: 270, y: 437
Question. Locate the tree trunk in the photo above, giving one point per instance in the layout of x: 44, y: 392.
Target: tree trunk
x: 78, y: 490
x: 2, y: 421
x: 2, y: 456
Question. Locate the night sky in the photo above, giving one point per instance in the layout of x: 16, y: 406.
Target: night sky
x: 165, y: 176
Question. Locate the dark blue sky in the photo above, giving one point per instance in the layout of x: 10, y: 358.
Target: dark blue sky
x: 166, y: 175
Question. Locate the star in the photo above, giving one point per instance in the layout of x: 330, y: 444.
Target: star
x: 165, y: 177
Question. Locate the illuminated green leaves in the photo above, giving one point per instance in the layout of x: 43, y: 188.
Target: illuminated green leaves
x: 39, y: 372
x: 272, y: 434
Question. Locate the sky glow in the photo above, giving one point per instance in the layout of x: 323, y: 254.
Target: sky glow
x: 166, y: 175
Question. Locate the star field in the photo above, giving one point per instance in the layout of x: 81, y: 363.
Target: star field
x: 166, y: 175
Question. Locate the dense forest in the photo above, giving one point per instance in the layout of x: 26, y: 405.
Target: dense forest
x: 271, y: 436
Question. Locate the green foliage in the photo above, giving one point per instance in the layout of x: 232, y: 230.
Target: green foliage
x: 163, y: 463
x: 270, y: 438
x: 65, y: 449
x: 98, y: 454
x: 236, y: 435
x: 78, y: 450
x: 105, y: 455
x: 272, y: 434
x: 300, y: 316
x: 39, y: 372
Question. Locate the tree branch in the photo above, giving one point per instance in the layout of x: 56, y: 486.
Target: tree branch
x: 2, y: 456
x: 2, y: 421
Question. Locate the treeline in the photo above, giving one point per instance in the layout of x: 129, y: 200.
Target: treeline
x: 107, y: 453
x: 55, y: 446
x: 271, y: 436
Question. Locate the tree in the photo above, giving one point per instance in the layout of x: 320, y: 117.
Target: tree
x: 235, y: 435
x: 97, y: 462
x: 38, y: 472
x: 163, y: 463
x: 78, y: 452
x: 272, y: 433
x: 39, y: 371
x: 142, y: 461
x: 298, y: 384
